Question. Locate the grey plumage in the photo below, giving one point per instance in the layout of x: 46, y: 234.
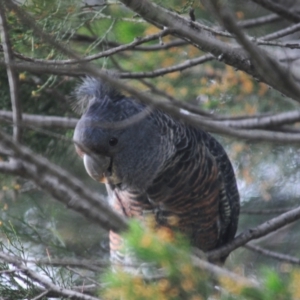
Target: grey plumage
x: 157, y: 165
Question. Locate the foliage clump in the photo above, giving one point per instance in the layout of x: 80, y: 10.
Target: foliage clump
x: 178, y: 277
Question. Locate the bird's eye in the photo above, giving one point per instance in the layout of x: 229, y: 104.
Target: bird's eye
x: 113, y: 141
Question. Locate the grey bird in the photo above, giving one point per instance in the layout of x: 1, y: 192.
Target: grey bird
x: 154, y: 164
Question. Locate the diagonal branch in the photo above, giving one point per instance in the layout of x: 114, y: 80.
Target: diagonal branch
x: 106, y: 53
x: 220, y: 272
x: 279, y: 10
x: 281, y: 33
x: 256, y: 232
x: 60, y: 184
x: 42, y: 67
x: 249, y: 23
x: 159, y: 72
x: 273, y: 254
x: 113, y: 44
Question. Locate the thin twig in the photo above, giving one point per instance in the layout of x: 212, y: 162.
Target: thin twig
x: 159, y: 72
x: 156, y: 47
x: 34, y: 121
x: 78, y: 71
x: 273, y: 254
x: 281, y: 33
x: 263, y: 121
x: 259, y: 21
x: 106, y: 53
x: 289, y: 45
x: 82, y: 276
x: 43, y: 281
x: 279, y: 9
x: 223, y: 273
x: 265, y: 211
x: 41, y: 295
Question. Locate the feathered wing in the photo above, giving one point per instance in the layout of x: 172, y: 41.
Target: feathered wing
x: 194, y: 193
x: 229, y: 198
x: 188, y: 190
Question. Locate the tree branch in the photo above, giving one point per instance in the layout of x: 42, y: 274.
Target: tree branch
x: 159, y: 72
x: 279, y: 10
x: 273, y: 254
x: 281, y: 33
x: 228, y: 53
x: 249, y: 23
x: 158, y: 47
x: 263, y: 121
x: 265, y: 211
x: 51, y: 122
x: 265, y: 65
x: 256, y: 232
x: 12, y: 76
x: 176, y: 112
x: 106, y: 53
x: 43, y: 67
x: 222, y: 272
x: 61, y: 185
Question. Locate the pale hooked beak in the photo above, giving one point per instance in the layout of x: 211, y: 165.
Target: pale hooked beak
x: 97, y: 167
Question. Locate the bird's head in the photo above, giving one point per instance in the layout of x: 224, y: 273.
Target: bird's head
x: 117, y: 137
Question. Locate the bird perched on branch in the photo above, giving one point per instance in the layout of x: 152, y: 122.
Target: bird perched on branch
x: 154, y: 164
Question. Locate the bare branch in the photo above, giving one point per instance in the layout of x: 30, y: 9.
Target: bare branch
x: 250, y: 122
x: 222, y: 272
x: 265, y: 211
x: 41, y: 121
x: 93, y: 265
x: 106, y: 53
x: 12, y: 76
x: 78, y: 71
x: 263, y: 121
x: 273, y: 254
x: 214, y: 123
x: 159, y: 72
x: 158, y: 47
x: 41, y: 295
x: 279, y: 9
x: 256, y: 232
x: 259, y: 21
x: 46, y: 69
x: 281, y: 33
x: 164, y: 46
x: 289, y: 45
